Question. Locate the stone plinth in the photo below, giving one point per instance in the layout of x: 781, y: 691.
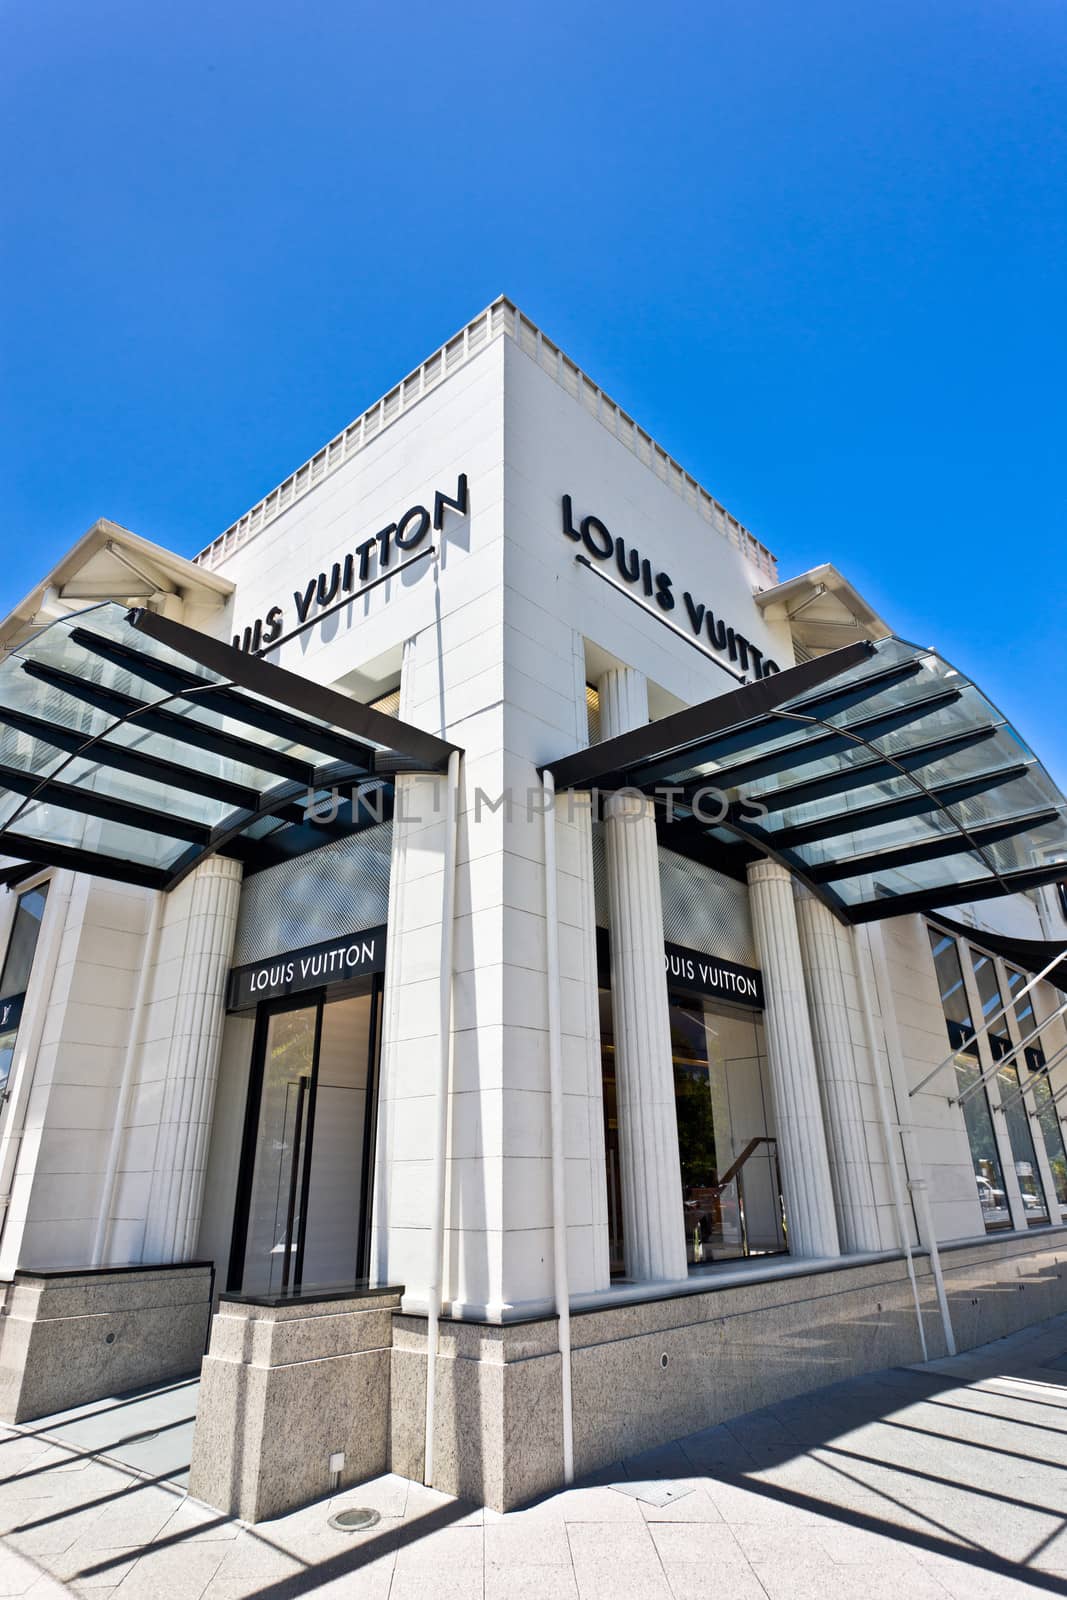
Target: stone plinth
x: 71, y: 1337
x: 498, y: 1417
x: 286, y: 1384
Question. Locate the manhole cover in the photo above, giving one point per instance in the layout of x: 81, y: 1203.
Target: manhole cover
x: 654, y: 1493
x: 138, y: 1438
x: 355, y: 1520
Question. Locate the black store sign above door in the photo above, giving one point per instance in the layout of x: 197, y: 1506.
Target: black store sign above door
x: 317, y: 965
x: 696, y: 973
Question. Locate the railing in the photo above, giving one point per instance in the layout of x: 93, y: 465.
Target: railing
x: 735, y: 1174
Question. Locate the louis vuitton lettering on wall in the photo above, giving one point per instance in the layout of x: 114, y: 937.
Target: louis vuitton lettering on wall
x: 366, y: 563
x: 636, y: 569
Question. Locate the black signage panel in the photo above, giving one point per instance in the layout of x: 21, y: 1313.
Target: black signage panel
x: 696, y: 973
x: 11, y: 1011
x: 317, y: 965
x: 708, y: 975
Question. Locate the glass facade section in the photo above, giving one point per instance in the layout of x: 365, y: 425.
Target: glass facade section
x: 731, y: 1184
x: 15, y: 974
x: 731, y: 1189
x: 977, y: 1116
x: 1014, y: 1111
x: 1037, y: 1083
x: 301, y: 1224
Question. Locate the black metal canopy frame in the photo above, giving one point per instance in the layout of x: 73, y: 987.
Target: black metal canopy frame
x: 878, y: 774
x: 133, y: 747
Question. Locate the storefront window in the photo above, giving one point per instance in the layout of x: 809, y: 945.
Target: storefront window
x: 616, y: 1249
x: 731, y: 1188
x: 302, y: 1223
x: 976, y: 1113
x: 15, y: 974
x: 1015, y: 1113
x: 1038, y: 1084
x: 731, y: 1191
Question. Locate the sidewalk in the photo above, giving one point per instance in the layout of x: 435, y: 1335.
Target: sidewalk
x: 948, y: 1479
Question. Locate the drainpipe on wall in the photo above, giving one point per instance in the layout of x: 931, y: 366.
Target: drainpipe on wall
x: 42, y: 978
x: 444, y: 1038
x: 871, y: 1035
x: 555, y: 1079
x: 129, y: 1068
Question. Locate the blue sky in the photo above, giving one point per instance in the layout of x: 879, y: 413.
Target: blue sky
x: 817, y: 249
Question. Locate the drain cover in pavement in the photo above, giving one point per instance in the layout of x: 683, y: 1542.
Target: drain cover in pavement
x: 355, y: 1519
x: 654, y: 1494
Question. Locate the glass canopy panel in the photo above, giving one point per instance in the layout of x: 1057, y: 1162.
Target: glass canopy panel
x: 898, y: 757
x: 889, y: 835
x: 133, y: 746
x: 72, y: 645
x: 946, y: 872
x: 74, y: 831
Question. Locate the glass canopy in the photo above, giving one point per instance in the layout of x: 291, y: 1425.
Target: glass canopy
x: 132, y: 747
x: 878, y: 774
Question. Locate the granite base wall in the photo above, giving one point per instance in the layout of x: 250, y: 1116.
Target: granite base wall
x: 283, y: 1388
x: 68, y: 1338
x: 649, y: 1372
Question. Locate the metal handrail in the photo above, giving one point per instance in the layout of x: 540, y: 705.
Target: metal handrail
x: 735, y: 1173
x: 1038, y: 1072
x: 966, y: 1045
x: 731, y: 1172
x: 1010, y: 1055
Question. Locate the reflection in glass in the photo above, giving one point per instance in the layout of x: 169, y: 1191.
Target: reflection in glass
x: 18, y: 961
x: 1038, y: 1085
x: 335, y: 1188
x: 275, y: 1208
x: 731, y: 1187
x: 977, y: 1116
x: 15, y: 975
x: 616, y: 1243
x: 731, y: 1193
x: 306, y: 1207
x: 1015, y: 1114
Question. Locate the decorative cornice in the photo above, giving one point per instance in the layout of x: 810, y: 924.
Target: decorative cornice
x: 501, y: 319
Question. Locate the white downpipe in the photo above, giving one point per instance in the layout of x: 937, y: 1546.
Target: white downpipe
x: 130, y: 1062
x: 555, y: 1080
x: 444, y: 1050
x: 42, y: 978
x: 903, y: 1229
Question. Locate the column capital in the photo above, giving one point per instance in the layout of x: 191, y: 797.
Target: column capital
x: 623, y: 695
x: 767, y: 871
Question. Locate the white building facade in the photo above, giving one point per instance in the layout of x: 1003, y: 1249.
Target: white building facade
x: 734, y: 1068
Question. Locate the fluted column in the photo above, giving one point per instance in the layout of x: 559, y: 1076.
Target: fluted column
x: 196, y: 949
x: 651, y: 1178
x: 835, y: 1058
x: 574, y: 817
x: 805, y: 1166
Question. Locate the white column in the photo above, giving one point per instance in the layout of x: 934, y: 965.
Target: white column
x: 805, y: 1166
x: 589, y: 1130
x: 653, y: 1222
x: 835, y: 1058
x: 196, y: 948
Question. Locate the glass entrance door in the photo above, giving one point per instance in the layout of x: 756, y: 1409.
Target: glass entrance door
x: 301, y: 1217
